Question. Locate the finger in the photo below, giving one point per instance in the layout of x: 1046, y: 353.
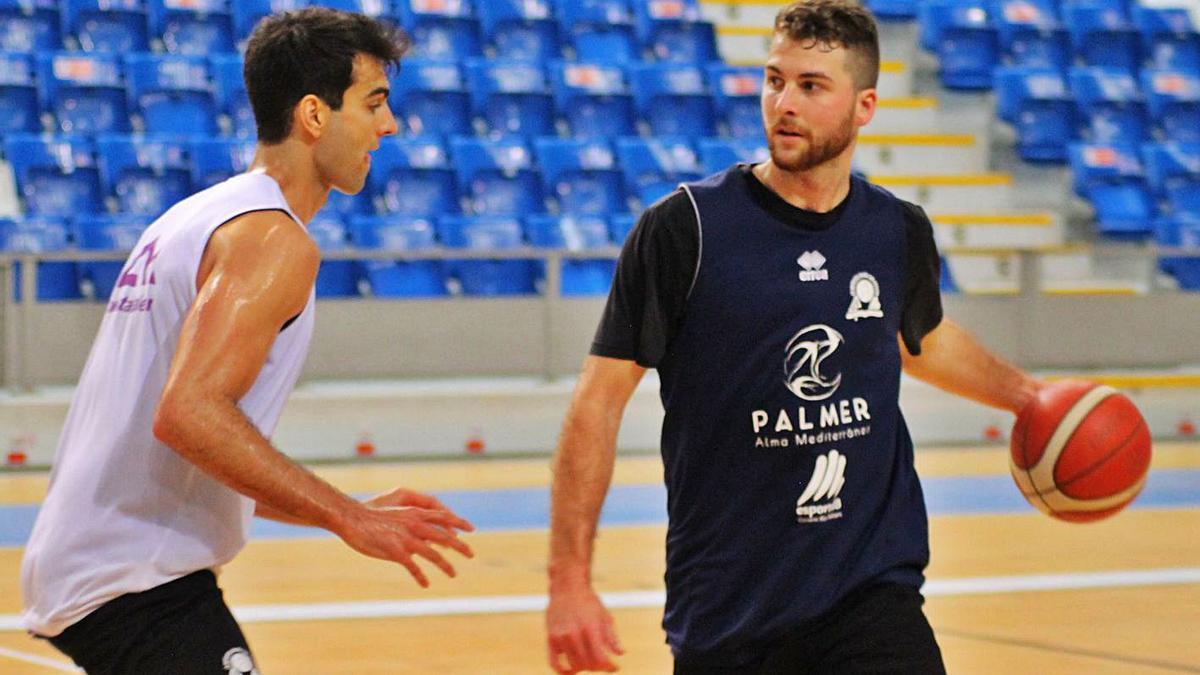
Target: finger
x: 414, y: 571
x: 556, y: 658
x: 436, y: 558
x: 577, y: 653
x: 447, y: 519
x: 444, y: 537
x: 596, y: 654
x: 610, y: 637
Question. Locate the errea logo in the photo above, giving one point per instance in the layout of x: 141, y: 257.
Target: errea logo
x: 811, y: 263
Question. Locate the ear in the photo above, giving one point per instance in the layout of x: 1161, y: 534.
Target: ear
x: 864, y: 107
x: 311, y: 116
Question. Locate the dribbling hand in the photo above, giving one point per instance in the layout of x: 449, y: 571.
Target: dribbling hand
x: 401, y: 524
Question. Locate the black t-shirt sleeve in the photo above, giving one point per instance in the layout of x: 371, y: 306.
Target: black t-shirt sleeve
x: 922, y: 284
x: 654, y: 277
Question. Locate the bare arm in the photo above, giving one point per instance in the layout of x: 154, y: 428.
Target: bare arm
x: 578, y: 626
x: 953, y: 360
x: 256, y: 274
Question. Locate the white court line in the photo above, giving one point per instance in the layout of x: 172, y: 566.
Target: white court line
x: 61, y: 666
x: 506, y: 604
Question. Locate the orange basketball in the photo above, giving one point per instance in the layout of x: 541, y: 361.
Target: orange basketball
x: 1080, y: 451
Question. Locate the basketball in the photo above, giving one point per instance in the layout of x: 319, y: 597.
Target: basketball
x: 1080, y: 451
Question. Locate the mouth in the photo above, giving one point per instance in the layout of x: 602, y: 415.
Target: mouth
x: 789, y: 133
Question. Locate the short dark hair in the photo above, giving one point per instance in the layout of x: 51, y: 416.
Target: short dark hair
x: 836, y: 23
x: 311, y: 51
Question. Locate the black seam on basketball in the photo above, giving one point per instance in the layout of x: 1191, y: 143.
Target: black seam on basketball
x: 1100, y: 462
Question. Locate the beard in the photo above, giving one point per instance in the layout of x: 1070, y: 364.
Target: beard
x: 819, y: 150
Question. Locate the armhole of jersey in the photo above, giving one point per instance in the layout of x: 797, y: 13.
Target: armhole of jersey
x: 699, y: 238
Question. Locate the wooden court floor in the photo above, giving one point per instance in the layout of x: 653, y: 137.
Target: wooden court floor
x: 1008, y: 593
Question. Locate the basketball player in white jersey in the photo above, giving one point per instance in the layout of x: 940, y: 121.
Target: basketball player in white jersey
x: 165, y: 455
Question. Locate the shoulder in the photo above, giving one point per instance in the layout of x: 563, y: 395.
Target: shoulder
x: 268, y: 244
x: 672, y: 217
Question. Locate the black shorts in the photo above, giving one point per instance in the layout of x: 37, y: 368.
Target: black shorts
x: 181, y: 627
x: 878, y: 630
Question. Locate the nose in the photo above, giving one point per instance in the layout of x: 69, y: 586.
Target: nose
x: 786, y: 100
x: 390, y: 126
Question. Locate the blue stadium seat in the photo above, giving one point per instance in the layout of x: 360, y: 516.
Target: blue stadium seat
x: 1180, y: 232
x: 673, y: 100
x: 146, y: 174
x: 1110, y: 103
x: 1174, y: 100
x: 429, y: 97
x: 581, y: 175
x: 56, y: 176
x: 412, y: 176
x: 86, y: 92
x: 575, y: 233
x: 519, y: 29
x: 335, y: 278
x: 1173, y: 170
x: 1103, y: 36
x: 510, y: 97
x: 653, y: 167
x: 1169, y: 38
x: 1031, y: 34
x: 497, y: 176
x: 488, y: 233
x: 399, y: 278
x: 172, y: 92
x: 1035, y: 101
x: 55, y: 280
x: 195, y: 27
x: 247, y: 13
x: 736, y: 95
x: 230, y: 90
x: 674, y: 30
x: 593, y: 99
x: 29, y: 26
x: 718, y: 154
x: 965, y: 41
x: 117, y: 26
x: 18, y: 93
x: 599, y: 30
x: 374, y: 8
x: 440, y: 29
x: 946, y: 282
x: 216, y: 159
x: 1111, y: 177
x: 106, y: 233
x: 620, y: 225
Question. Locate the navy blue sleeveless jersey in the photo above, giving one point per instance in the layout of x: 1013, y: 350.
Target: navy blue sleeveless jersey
x: 788, y: 465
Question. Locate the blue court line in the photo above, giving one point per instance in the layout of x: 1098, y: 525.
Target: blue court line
x: 528, y: 508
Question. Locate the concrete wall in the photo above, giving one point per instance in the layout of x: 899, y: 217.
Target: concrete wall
x: 47, y: 343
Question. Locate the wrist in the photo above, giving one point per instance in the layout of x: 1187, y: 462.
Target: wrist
x: 569, y: 576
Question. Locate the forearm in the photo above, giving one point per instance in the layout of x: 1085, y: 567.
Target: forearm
x: 583, y: 468
x: 217, y: 437
x: 953, y: 360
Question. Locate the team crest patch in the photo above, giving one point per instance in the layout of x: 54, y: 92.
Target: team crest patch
x: 864, y: 297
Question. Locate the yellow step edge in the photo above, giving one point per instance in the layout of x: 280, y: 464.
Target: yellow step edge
x: 946, y: 179
x: 907, y: 102
x: 1000, y: 219
x: 1136, y: 381
x: 1100, y: 290
x: 957, y: 140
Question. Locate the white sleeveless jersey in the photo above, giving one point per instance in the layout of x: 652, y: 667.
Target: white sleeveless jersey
x: 124, y: 512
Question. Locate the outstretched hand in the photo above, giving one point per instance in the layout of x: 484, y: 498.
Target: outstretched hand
x: 580, y: 633
x: 401, y: 524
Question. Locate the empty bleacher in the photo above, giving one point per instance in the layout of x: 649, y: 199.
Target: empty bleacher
x: 567, y: 118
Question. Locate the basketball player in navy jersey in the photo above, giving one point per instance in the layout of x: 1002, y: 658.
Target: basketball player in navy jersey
x: 779, y: 303
x: 165, y: 454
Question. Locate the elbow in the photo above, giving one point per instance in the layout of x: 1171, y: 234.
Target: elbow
x: 168, y: 421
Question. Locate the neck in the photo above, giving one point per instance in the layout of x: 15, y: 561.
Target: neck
x: 820, y: 188
x: 290, y: 164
